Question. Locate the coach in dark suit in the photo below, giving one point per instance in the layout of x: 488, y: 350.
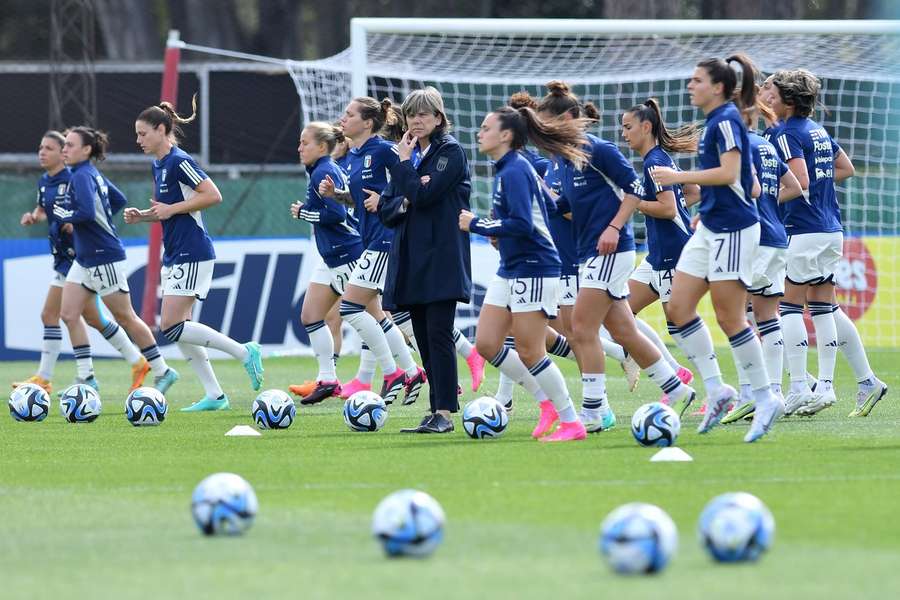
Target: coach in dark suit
x: 430, y: 267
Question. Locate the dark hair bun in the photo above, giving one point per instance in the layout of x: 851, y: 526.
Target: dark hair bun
x: 558, y: 88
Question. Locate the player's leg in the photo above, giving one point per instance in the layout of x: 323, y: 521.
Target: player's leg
x: 590, y: 312
x: 870, y: 389
x: 52, y: 340
x: 96, y: 318
x: 318, y: 301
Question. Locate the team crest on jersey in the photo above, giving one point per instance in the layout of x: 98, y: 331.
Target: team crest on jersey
x: 61, y: 190
x: 367, y: 161
x: 442, y: 163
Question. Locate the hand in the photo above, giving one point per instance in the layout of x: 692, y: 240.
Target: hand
x: 494, y: 242
x: 132, y: 215
x: 326, y: 187
x: 695, y: 220
x: 162, y: 211
x: 608, y: 242
x: 664, y: 175
x: 405, y: 146
x: 27, y: 219
x: 371, y: 201
x: 295, y: 209
x: 465, y: 219
x: 424, y: 179
x: 67, y: 228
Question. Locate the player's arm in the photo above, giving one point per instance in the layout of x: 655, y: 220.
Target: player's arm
x: 727, y: 173
x: 843, y: 166
x: 518, y: 204
x: 661, y: 208
x: 117, y: 199
x: 79, y: 204
x: 691, y: 193
x: 789, y: 187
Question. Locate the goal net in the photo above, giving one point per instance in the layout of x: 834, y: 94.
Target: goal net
x: 477, y: 64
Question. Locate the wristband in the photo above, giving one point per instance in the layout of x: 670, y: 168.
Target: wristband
x: 614, y: 227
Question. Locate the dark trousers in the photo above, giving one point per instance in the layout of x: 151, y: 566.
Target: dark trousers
x: 433, y: 327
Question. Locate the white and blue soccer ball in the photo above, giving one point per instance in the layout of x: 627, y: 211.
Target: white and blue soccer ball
x: 365, y: 411
x: 638, y: 538
x: 146, y: 406
x: 29, y: 402
x: 273, y: 409
x: 409, y: 523
x: 736, y: 527
x: 485, y: 417
x: 80, y: 403
x: 655, y: 424
x: 224, y: 504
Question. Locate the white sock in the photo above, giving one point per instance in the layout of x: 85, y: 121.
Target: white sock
x: 157, y: 362
x: 50, y: 348
x: 663, y: 375
x: 851, y: 345
x: 696, y: 343
x: 323, y: 346
x: 751, y: 316
x: 403, y: 321
x: 748, y: 357
x: 773, y: 349
x: 371, y: 333
x: 198, y: 334
x: 593, y: 390
x: 610, y: 347
x: 198, y: 359
x: 504, y: 389
x: 119, y: 340
x: 796, y: 344
x: 399, y: 349
x: 83, y: 362
x: 651, y: 335
x: 826, y: 339
x: 674, y: 332
x: 551, y: 380
x: 508, y: 362
x: 366, y: 371
x: 561, y: 347
x: 463, y: 346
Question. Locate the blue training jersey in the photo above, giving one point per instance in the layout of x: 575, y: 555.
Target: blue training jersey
x: 368, y: 168
x: 175, y: 177
x: 52, y: 190
x: 89, y: 204
x: 595, y: 195
x: 769, y: 169
x: 817, y: 211
x: 665, y: 237
x: 334, y: 229
x: 520, y: 221
x: 540, y: 163
x: 726, y: 207
x: 560, y: 227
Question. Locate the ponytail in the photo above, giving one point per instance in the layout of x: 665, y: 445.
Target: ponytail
x: 558, y: 137
x: 387, y: 120
x: 164, y: 114
x: 745, y: 94
x: 683, y: 139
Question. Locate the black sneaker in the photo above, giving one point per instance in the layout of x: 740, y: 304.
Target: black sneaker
x: 414, y: 386
x: 420, y: 428
x: 438, y: 424
x: 324, y: 389
x: 508, y: 405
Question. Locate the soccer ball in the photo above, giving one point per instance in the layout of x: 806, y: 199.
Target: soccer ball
x: 655, y: 424
x: 146, y: 406
x: 638, y: 538
x: 80, y: 403
x: 736, y: 527
x: 273, y: 409
x: 485, y: 418
x: 365, y: 411
x: 224, y: 504
x: 409, y: 523
x: 29, y: 402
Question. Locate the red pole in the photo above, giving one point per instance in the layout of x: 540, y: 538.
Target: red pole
x: 169, y: 93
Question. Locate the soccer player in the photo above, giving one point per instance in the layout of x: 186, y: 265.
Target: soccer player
x: 719, y: 256
x: 367, y: 166
x: 52, y: 187
x: 181, y: 190
x: 602, y: 194
x: 777, y: 186
x: 99, y: 265
x: 667, y: 219
x: 815, y: 245
x: 339, y: 245
x: 523, y: 294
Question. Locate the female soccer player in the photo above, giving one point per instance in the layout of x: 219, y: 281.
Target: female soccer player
x: 367, y: 165
x: 667, y: 219
x: 339, y: 245
x: 815, y: 245
x: 181, y: 190
x: 99, y: 265
x: 602, y: 196
x: 719, y: 256
x: 524, y: 293
x: 52, y: 187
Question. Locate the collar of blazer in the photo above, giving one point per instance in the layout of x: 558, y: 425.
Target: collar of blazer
x: 437, y: 144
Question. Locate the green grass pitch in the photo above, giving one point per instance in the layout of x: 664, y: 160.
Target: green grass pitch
x: 102, y: 510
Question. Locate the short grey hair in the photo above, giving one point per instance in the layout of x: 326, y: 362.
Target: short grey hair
x: 427, y: 100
